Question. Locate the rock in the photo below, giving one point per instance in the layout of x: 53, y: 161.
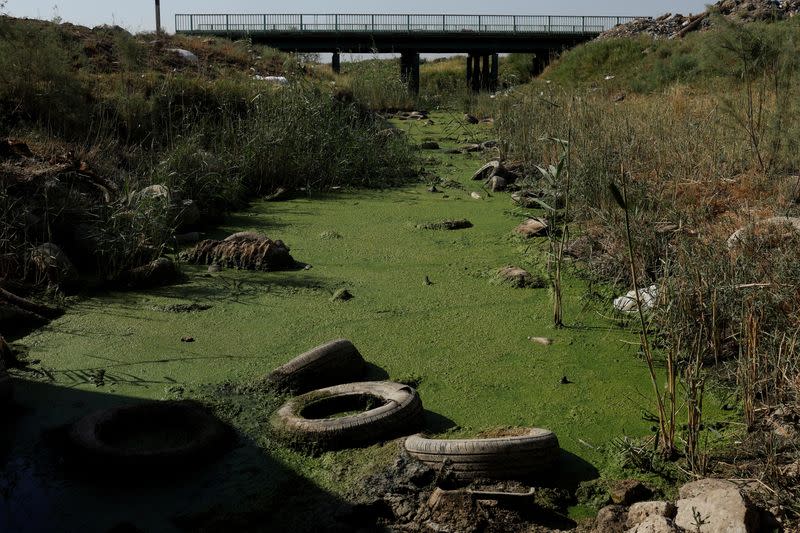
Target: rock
x: 498, y: 184
x: 654, y: 524
x: 533, y: 227
x: 53, y: 264
x: 610, y: 519
x: 471, y: 148
x: 162, y: 271
x: 629, y: 491
x: 696, y: 488
x: 429, y: 145
x: 517, y: 277
x: 641, y: 511
x: 469, y: 119
x: 792, y: 223
x: 154, y: 192
x: 187, y: 339
x: 544, y: 341
x: 487, y: 171
x: 188, y: 215
x: 12, y: 149
x: 186, y: 55
x: 715, y: 506
x: 342, y: 295
x: 475, y: 196
x: 648, y: 297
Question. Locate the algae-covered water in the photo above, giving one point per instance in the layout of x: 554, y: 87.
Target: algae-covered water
x: 464, y: 339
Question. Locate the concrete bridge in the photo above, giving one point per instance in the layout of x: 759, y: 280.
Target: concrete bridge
x: 481, y: 37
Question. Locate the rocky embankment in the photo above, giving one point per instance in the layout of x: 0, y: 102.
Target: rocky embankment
x: 672, y: 26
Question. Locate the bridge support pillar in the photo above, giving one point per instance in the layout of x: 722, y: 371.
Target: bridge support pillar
x: 336, y: 63
x: 409, y: 70
x: 540, y: 62
x: 495, y: 73
x: 483, y: 71
x: 486, y: 73
x: 474, y: 67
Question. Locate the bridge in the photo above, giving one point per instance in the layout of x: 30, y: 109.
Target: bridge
x: 481, y: 37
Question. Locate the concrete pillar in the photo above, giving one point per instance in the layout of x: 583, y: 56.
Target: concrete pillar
x: 486, y: 74
x: 470, y: 57
x: 540, y: 61
x: 495, y: 73
x: 476, y: 73
x: 336, y: 63
x: 409, y: 70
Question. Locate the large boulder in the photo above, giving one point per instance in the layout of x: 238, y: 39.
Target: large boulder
x: 519, y: 278
x: 654, y: 524
x: 610, y: 519
x: 641, y: 511
x: 154, y: 192
x: 715, y: 506
x: 157, y: 273
x: 629, y: 491
x: 533, y: 227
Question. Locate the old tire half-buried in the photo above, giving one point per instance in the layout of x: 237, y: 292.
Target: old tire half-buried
x: 332, y: 363
x: 311, y: 419
x: 149, y: 436
x: 520, y: 456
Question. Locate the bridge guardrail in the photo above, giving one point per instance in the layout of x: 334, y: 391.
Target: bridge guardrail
x: 515, y: 24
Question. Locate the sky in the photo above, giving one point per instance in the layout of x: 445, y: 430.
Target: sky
x: 138, y: 15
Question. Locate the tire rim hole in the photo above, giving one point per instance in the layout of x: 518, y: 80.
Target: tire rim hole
x: 341, y: 406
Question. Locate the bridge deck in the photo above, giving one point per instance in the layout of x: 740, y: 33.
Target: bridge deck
x: 479, y: 25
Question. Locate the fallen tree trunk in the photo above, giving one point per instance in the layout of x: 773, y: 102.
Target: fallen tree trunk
x: 41, y: 310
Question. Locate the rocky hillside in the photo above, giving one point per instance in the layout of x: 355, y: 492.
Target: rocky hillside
x: 672, y: 26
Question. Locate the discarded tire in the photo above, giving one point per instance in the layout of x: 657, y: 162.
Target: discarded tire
x: 149, y: 436
x: 329, y: 364
x: 386, y: 410
x: 512, y: 457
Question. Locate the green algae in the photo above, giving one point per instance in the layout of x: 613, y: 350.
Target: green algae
x: 424, y: 308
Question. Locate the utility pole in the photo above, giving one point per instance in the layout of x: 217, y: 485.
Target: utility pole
x: 158, y: 18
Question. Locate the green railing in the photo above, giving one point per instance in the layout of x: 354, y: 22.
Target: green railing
x: 514, y: 24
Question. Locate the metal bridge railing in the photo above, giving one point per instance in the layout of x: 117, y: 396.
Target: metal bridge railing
x: 524, y: 24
